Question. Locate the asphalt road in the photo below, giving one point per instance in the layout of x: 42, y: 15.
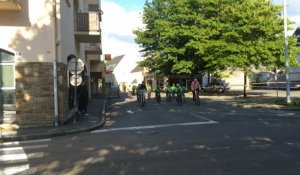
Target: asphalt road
x: 163, y: 139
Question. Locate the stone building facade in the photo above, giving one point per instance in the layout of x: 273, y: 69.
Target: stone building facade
x: 35, y: 43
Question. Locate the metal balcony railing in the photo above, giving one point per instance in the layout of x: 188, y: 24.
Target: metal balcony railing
x: 11, y: 5
x: 87, y: 22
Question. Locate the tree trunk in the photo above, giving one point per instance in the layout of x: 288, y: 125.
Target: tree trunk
x: 208, y: 77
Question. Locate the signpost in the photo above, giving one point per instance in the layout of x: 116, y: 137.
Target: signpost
x: 75, y: 66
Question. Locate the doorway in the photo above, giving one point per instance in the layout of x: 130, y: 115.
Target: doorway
x: 97, y: 88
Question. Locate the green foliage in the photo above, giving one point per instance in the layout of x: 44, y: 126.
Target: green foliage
x: 190, y: 36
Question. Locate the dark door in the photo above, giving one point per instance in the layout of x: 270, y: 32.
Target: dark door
x: 97, y: 82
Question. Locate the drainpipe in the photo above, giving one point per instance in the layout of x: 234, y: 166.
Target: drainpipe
x: 55, y: 64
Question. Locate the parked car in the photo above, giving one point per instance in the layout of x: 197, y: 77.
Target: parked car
x: 215, y: 87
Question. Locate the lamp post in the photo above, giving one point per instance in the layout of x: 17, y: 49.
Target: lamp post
x: 287, y: 76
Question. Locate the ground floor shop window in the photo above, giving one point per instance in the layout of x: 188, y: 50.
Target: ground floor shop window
x: 7, y: 77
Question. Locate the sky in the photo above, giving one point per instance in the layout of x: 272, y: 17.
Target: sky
x: 121, y: 17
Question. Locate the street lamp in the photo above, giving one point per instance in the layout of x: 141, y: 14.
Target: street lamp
x: 288, y: 98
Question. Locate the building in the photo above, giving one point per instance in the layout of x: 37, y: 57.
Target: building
x: 124, y: 72
x: 297, y: 34
x: 37, y: 38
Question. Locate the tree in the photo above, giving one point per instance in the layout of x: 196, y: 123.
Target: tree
x: 188, y: 36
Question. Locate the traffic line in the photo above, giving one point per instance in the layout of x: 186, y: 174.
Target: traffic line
x: 22, y: 148
x: 23, y: 142
x: 22, y: 169
x: 175, y: 151
x: 154, y: 126
x: 195, y: 115
x: 14, y: 153
x: 14, y: 158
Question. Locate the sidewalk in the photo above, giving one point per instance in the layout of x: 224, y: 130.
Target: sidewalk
x: 251, y: 101
x: 94, y: 119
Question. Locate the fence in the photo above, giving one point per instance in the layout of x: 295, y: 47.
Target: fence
x: 275, y: 91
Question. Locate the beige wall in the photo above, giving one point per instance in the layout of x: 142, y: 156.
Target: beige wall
x: 66, y: 35
x: 28, y: 32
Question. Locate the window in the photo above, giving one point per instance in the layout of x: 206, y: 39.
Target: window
x: 7, y: 70
x: 159, y: 83
x: 93, y: 7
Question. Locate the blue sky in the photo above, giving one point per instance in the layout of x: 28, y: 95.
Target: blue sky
x: 129, y: 5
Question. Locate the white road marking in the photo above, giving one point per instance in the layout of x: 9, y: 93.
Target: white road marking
x: 153, y: 126
x: 202, y: 117
x: 23, y: 142
x: 14, y: 153
x: 260, y: 146
x: 22, y: 169
x: 23, y: 147
x: 217, y: 148
x: 129, y: 111
x: 13, y: 158
x: 175, y: 151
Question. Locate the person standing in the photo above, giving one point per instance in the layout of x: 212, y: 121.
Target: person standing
x: 83, y: 99
x: 195, y: 86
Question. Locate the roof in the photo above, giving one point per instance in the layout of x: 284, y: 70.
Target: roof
x: 137, y: 69
x: 114, y: 63
x: 297, y: 32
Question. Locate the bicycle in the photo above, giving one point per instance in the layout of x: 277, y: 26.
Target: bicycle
x: 148, y: 95
x: 196, y: 98
x: 158, y: 97
x: 142, y: 98
x: 180, y: 98
x: 138, y: 96
x: 169, y: 96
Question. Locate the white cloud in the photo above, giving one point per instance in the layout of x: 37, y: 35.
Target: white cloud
x: 296, y: 19
x: 117, y: 27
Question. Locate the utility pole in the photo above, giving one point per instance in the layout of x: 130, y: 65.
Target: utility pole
x: 75, y: 90
x: 287, y: 76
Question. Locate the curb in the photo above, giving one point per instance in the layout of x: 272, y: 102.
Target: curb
x: 274, y: 107
x: 59, y: 133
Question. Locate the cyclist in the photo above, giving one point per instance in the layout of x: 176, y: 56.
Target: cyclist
x: 173, y: 90
x: 157, y: 91
x: 168, y: 92
x: 180, y: 93
x: 195, y: 86
x: 142, y: 89
x: 138, y: 92
x: 181, y: 89
x: 148, y: 88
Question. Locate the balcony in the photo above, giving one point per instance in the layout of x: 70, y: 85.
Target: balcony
x: 10, y: 5
x: 93, y: 49
x: 87, y: 27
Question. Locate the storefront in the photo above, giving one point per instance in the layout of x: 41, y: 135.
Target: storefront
x: 7, y: 86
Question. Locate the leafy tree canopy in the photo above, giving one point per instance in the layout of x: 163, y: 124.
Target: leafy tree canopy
x: 189, y: 36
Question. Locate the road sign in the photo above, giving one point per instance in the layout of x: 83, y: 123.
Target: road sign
x: 73, y: 82
x: 72, y: 65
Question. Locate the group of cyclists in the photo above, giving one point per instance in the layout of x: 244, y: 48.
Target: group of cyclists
x: 174, y: 91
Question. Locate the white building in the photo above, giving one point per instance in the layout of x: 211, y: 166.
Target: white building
x: 37, y: 37
x: 123, y: 71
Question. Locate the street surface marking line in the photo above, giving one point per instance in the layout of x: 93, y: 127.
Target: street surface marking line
x: 23, y: 147
x: 154, y: 126
x: 203, y: 117
x: 22, y: 142
x: 175, y: 151
x: 20, y: 157
x: 22, y: 169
